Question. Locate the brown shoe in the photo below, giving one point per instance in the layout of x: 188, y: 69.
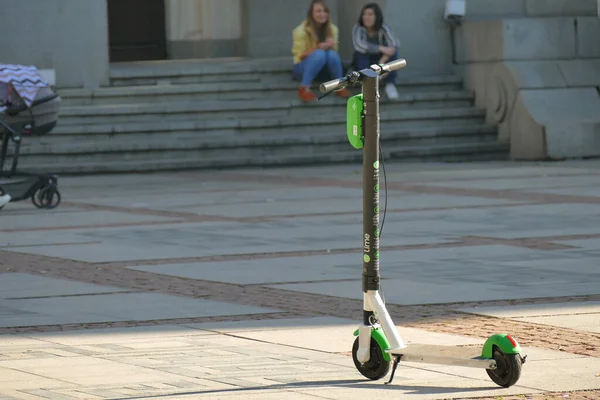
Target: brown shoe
x: 344, y: 93
x: 305, y: 94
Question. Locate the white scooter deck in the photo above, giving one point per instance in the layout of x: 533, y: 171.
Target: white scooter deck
x: 444, y: 355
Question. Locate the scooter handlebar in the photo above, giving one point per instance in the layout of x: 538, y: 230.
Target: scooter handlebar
x: 332, y: 85
x: 394, y: 65
x: 380, y: 69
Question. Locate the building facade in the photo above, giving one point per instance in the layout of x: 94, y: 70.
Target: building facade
x: 80, y: 38
x: 534, y: 65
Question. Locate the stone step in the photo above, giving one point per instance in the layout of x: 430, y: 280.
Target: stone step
x: 270, y: 109
x: 199, y: 71
x: 407, y: 118
x: 475, y: 151
x: 185, y: 80
x: 223, y: 70
x: 244, y: 112
x: 130, y: 143
x: 283, y: 88
x: 261, y: 157
x: 187, y: 72
x: 189, y: 67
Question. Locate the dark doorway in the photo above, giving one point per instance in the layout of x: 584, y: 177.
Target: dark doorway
x: 136, y: 30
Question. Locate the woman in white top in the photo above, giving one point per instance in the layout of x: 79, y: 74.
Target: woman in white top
x: 375, y: 43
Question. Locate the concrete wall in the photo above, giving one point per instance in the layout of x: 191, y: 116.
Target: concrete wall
x: 204, y: 28
x: 516, y: 39
x: 269, y: 25
x: 423, y: 33
x: 262, y: 28
x: 70, y: 36
x: 531, y: 8
x: 419, y: 24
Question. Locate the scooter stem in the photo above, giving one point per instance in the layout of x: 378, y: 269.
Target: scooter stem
x: 376, y: 304
x: 373, y: 303
x: 371, y: 182
x: 370, y: 176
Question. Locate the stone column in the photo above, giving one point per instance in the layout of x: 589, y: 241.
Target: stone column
x: 203, y: 28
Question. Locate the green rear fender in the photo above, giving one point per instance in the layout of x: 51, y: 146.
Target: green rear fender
x: 505, y: 342
x: 381, y: 340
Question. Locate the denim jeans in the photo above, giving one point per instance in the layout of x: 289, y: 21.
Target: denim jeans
x: 362, y: 61
x: 308, y: 69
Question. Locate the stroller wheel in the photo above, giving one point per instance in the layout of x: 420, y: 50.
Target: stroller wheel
x: 47, y: 197
x: 34, y: 198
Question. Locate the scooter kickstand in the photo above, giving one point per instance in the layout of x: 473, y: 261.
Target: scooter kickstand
x: 396, y: 362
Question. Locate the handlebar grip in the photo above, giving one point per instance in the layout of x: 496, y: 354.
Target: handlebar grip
x: 394, y: 65
x: 331, y: 85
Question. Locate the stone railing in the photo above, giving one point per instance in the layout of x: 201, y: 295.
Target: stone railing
x: 537, y: 77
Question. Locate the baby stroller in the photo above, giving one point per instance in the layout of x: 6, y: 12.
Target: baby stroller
x: 28, y: 107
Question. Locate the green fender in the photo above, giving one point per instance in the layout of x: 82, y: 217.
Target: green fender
x: 354, y: 128
x: 505, y: 342
x: 381, y: 340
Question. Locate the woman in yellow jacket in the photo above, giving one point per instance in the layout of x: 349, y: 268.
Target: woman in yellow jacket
x: 315, y: 48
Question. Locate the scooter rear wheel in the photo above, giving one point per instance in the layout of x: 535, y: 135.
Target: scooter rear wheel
x: 377, y: 367
x: 508, y: 369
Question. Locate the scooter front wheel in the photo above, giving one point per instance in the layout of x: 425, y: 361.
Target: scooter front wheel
x: 377, y: 367
x: 508, y: 370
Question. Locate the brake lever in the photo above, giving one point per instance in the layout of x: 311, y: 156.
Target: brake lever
x: 325, y: 95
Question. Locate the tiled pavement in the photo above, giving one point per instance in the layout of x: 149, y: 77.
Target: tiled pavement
x: 246, y: 284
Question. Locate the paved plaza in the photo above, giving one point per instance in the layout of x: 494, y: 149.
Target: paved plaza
x: 246, y: 284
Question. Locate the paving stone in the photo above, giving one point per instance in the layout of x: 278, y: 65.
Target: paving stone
x: 574, y: 183
x: 117, y: 307
x: 574, y: 315
x: 587, y: 322
x: 537, y: 310
x: 588, y: 244
x: 91, y: 217
x: 11, y: 377
x: 455, y: 233
x: 273, y: 325
x: 411, y: 291
x: 27, y: 285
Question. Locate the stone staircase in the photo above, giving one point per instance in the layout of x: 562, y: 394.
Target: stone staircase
x: 240, y: 113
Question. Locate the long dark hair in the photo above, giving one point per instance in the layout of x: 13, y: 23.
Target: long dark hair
x: 378, y: 15
x: 310, y: 22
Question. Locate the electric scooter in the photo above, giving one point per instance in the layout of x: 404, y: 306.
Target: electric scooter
x: 378, y: 341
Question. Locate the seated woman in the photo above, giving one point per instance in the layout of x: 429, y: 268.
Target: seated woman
x: 375, y: 43
x: 315, y: 44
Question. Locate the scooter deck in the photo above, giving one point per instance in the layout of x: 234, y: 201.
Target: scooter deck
x: 445, y: 355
